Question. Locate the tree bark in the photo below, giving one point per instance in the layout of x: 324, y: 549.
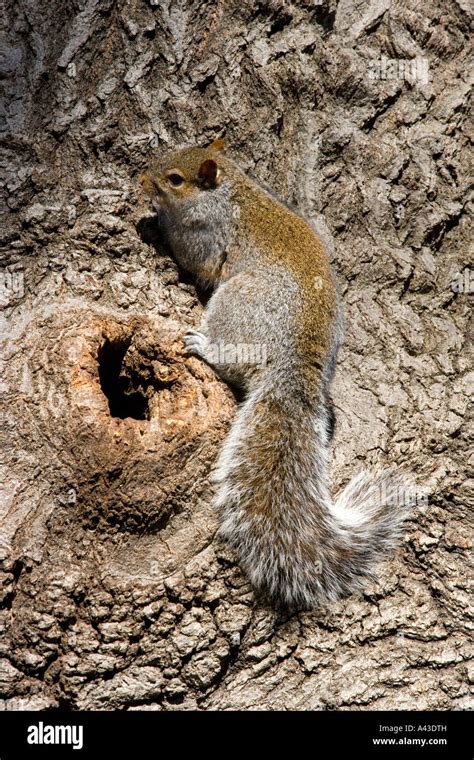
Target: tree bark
x: 116, y: 593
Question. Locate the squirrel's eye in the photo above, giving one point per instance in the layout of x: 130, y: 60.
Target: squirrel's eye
x: 175, y: 179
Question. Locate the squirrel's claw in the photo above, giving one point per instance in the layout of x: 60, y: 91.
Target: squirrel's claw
x: 195, y: 343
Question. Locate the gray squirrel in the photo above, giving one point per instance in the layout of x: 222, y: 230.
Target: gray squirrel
x: 273, y: 287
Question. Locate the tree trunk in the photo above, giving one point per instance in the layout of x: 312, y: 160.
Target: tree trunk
x: 116, y: 593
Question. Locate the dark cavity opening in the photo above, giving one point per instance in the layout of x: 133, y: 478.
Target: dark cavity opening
x: 124, y: 400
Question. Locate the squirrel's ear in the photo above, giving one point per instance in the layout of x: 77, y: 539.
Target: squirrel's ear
x: 209, y: 174
x: 218, y: 145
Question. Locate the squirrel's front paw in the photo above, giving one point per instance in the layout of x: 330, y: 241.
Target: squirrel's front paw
x: 196, y: 343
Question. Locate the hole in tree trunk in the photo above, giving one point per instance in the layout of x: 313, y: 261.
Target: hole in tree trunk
x: 124, y: 400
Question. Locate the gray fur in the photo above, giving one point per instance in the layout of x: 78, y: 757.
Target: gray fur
x: 199, y: 229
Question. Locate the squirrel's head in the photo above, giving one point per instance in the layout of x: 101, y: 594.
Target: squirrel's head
x: 179, y: 176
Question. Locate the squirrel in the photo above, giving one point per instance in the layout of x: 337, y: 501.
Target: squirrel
x: 273, y: 287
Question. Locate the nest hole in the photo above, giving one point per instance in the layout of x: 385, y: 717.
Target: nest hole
x: 124, y: 400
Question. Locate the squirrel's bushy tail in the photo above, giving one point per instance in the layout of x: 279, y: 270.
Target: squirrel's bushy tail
x: 293, y: 541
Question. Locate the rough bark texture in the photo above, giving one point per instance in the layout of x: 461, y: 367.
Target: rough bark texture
x: 116, y: 593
